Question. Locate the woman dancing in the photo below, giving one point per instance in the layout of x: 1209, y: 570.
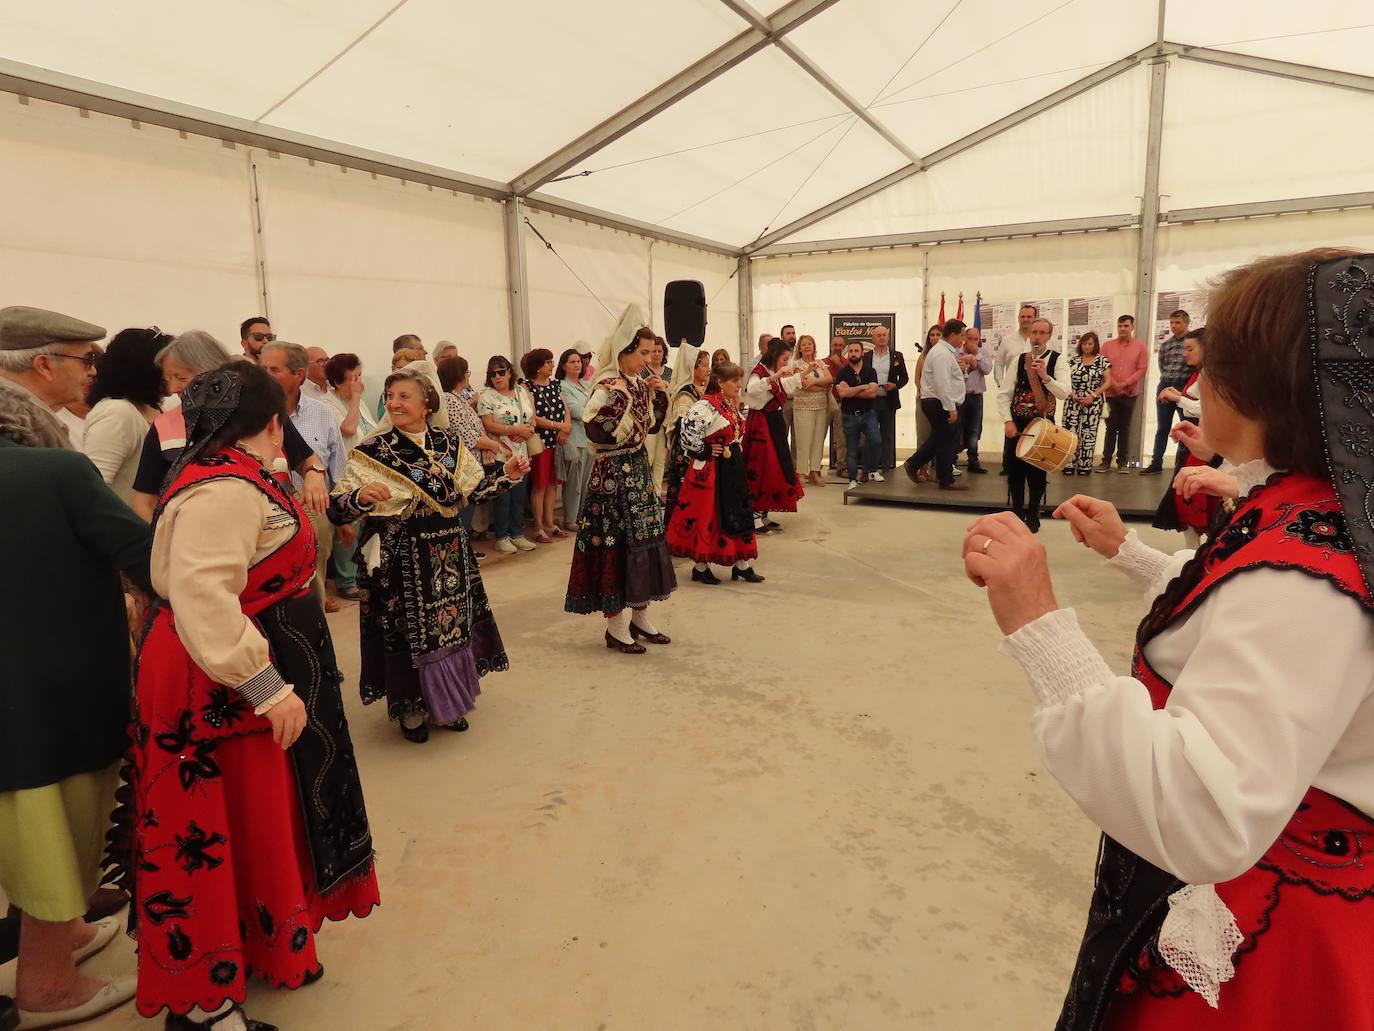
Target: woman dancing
x: 691, y: 375
x: 773, y: 482
x: 713, y: 521
x: 244, y: 827
x: 1232, y: 772
x: 1182, y: 508
x: 424, y: 625
x: 620, y: 560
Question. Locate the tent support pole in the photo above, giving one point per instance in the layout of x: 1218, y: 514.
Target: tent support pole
x: 1149, y: 230
x: 517, y: 280
x: 746, y: 306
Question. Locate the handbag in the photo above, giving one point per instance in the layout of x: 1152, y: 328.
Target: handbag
x: 535, y: 445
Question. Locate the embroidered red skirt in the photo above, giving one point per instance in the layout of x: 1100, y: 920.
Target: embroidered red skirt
x: 1306, y: 910
x: 695, y: 531
x: 773, y: 483
x: 223, y: 879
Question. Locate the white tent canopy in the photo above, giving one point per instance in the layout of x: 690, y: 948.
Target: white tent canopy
x: 270, y: 153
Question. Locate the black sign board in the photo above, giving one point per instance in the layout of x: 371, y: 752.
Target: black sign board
x: 861, y: 327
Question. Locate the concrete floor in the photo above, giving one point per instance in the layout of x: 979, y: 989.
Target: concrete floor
x: 820, y: 808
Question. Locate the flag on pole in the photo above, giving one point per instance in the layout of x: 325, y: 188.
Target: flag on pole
x: 978, y: 311
x: 942, y: 307
x: 960, y: 313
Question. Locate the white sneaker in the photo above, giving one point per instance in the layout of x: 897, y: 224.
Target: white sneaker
x: 958, y: 471
x: 523, y: 544
x: 853, y: 484
x: 505, y: 547
x: 877, y: 478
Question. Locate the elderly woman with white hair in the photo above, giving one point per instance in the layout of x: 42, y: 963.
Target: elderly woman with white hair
x: 186, y: 357
x: 426, y: 629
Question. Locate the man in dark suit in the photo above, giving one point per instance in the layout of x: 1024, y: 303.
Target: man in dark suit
x: 890, y: 368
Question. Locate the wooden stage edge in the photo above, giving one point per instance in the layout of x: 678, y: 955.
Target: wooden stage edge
x: 1134, y: 495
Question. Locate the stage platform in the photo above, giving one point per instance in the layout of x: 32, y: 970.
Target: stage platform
x: 1135, y: 496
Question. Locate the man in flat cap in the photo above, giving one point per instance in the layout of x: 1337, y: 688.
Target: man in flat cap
x: 49, y: 360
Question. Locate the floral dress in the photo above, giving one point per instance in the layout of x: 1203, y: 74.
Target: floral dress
x: 1084, y: 419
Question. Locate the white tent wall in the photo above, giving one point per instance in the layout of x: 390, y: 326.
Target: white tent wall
x: 618, y: 269
x: 353, y: 262
x: 806, y: 290
x: 124, y: 226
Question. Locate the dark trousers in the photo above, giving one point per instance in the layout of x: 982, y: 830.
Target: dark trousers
x: 1119, y: 411
x: 1021, y: 478
x: 887, y: 424
x: 942, y: 445
x: 1164, y: 413
x: 971, y: 426
x: 865, y: 424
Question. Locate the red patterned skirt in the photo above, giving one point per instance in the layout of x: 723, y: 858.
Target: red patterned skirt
x: 1306, y: 910
x: 773, y: 483
x: 542, y: 471
x: 223, y: 878
x: 695, y: 530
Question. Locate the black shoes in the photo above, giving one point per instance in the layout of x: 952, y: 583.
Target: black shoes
x: 183, y: 1023
x: 419, y: 734
x: 977, y: 470
x: 1152, y: 470
x: 704, y: 576
x: 622, y: 647
x: 460, y: 726
x: 747, y: 575
x: 643, y: 635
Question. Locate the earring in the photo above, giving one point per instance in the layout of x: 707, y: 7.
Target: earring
x: 276, y: 441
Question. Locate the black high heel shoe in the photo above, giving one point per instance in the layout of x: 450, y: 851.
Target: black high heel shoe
x: 640, y: 634
x: 460, y: 726
x: 704, y: 576
x: 747, y: 575
x: 622, y: 647
x: 419, y: 734
x: 184, y: 1023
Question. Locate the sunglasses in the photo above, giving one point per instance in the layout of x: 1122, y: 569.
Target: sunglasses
x: 260, y: 337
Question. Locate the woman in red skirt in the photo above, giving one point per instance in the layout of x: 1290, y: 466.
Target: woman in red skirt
x: 1232, y: 770
x: 712, y: 521
x: 1190, y: 511
x: 243, y: 827
x: 773, y: 482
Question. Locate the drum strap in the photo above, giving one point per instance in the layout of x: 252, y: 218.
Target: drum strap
x: 1042, y: 404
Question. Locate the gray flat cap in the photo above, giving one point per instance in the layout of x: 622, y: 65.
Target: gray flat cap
x: 24, y: 328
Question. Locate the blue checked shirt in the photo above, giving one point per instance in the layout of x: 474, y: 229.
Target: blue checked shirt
x: 318, y: 425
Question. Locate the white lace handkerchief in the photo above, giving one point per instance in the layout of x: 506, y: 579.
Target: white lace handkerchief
x: 1199, y: 939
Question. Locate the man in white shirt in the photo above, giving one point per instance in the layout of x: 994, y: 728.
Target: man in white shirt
x: 942, y: 392
x: 1034, y: 382
x: 286, y: 363
x: 1009, y: 348
x: 316, y: 383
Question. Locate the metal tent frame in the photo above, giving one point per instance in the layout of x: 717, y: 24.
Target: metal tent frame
x: 762, y: 32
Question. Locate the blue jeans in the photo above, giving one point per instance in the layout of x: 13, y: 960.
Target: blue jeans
x: 971, y: 415
x: 1164, y: 412
x: 507, y: 511
x: 345, y: 571
x: 863, y: 424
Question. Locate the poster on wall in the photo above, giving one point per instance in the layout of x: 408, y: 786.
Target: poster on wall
x: 1001, y: 319
x: 861, y: 327
x: 1089, y: 313
x: 1194, y: 302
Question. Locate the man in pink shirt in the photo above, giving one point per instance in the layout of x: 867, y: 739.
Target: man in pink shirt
x: 1128, y: 361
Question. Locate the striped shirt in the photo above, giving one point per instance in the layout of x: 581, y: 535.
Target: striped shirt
x: 315, y: 421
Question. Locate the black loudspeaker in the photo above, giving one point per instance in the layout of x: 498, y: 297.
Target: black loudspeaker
x: 684, y: 312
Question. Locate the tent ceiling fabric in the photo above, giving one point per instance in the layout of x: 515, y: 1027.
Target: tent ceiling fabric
x: 494, y: 90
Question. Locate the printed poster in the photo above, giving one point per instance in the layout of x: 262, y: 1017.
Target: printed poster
x: 861, y: 327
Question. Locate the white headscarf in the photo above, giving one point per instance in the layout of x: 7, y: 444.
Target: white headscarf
x: 684, y: 371
x: 608, y: 354
x: 439, y: 419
